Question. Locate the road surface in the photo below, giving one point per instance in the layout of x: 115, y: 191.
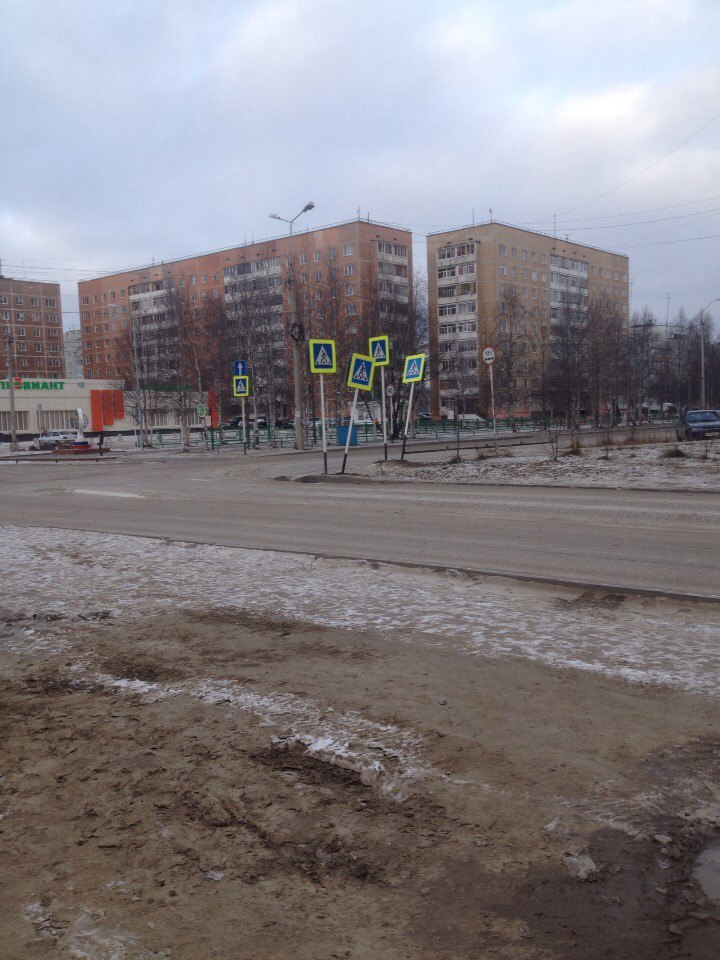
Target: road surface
x: 630, y: 539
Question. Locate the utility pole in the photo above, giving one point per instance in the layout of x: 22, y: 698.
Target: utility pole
x: 297, y: 333
x: 9, y: 344
x: 138, y: 392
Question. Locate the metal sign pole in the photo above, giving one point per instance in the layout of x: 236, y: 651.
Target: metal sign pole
x: 492, y: 401
x: 384, y: 411
x: 245, y: 444
x: 324, y: 420
x: 407, y: 419
x: 350, y: 426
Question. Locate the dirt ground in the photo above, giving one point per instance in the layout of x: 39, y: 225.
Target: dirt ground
x: 165, y: 794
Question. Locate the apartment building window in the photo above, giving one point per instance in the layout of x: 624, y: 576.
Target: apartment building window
x: 349, y: 249
x: 350, y: 310
x: 303, y: 258
x: 38, y: 348
x: 544, y: 277
x: 318, y: 275
x: 316, y: 256
x: 466, y: 269
x: 469, y: 306
x: 503, y: 288
x: 465, y: 249
x: 331, y: 253
x: 445, y: 272
x: 448, y: 310
x: 216, y: 294
x: 192, y: 281
x: 349, y: 270
x: 514, y: 251
x: 5, y: 315
x: 193, y: 297
x: 38, y: 332
x: 446, y: 253
x: 203, y: 278
x: 34, y: 302
x: 122, y: 294
x: 617, y: 275
x: 349, y: 289
x: 18, y: 301
x: 22, y: 361
x: 524, y: 292
x: 503, y: 270
x: 318, y: 294
x: 624, y: 276
x: 524, y: 254
x: 22, y: 347
x: 4, y: 299
x: 19, y: 331
x: 204, y: 295
x: 215, y: 276
x: 533, y: 257
x: 524, y: 274
x: 305, y: 296
x: 446, y: 291
x: 534, y: 295
x: 502, y: 250
x: 515, y: 272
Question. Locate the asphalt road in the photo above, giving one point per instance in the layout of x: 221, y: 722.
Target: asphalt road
x: 629, y: 539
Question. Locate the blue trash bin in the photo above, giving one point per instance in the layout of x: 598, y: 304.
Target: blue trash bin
x: 342, y: 432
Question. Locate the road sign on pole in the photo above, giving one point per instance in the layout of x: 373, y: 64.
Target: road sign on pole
x: 240, y: 367
x: 323, y: 359
x: 360, y: 372
x: 201, y: 410
x: 241, y: 386
x: 488, y: 356
x: 380, y: 352
x: 322, y: 356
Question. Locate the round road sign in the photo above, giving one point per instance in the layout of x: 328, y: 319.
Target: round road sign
x: 488, y: 355
x: 201, y: 410
x: 390, y: 390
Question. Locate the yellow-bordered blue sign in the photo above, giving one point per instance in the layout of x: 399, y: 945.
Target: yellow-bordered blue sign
x: 414, y: 368
x: 322, y: 356
x: 241, y: 386
x: 360, y: 373
x: 380, y: 350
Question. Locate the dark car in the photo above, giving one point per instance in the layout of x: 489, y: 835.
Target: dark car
x: 234, y: 423
x: 698, y: 425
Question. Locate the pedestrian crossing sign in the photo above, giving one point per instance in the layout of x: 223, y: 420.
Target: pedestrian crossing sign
x: 241, y: 386
x: 322, y: 356
x: 360, y: 373
x: 380, y: 350
x: 414, y: 368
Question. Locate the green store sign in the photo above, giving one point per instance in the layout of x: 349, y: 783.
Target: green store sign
x: 20, y: 384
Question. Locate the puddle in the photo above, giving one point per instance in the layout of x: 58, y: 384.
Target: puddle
x: 707, y: 872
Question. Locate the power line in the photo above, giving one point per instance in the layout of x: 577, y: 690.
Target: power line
x: 662, y: 243
x: 645, y: 170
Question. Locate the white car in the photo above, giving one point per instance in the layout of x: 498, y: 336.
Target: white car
x: 52, y: 439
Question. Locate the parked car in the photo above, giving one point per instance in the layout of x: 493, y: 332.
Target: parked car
x: 698, y: 425
x: 52, y: 439
x: 282, y: 423
x: 233, y: 423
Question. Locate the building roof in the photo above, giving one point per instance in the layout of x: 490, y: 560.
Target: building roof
x: 537, y: 233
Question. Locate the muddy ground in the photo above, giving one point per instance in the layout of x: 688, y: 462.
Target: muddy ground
x: 210, y: 783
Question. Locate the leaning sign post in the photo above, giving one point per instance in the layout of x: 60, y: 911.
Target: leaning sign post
x: 360, y: 376
x: 323, y: 359
x: 412, y: 374
x: 380, y: 352
x: 241, y: 388
x: 488, y: 356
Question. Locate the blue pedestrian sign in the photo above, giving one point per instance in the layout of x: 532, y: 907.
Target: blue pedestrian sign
x: 360, y: 373
x: 322, y: 356
x: 241, y: 368
x: 414, y: 368
x: 380, y: 350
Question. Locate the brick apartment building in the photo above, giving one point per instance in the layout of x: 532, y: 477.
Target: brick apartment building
x: 477, y: 274
x: 30, y: 313
x: 359, y: 259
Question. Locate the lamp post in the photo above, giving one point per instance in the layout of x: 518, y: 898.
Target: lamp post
x: 9, y: 347
x: 702, y: 350
x: 297, y: 334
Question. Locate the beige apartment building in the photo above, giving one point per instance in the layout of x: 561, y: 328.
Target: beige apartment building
x: 347, y: 265
x: 493, y: 284
x: 31, y: 321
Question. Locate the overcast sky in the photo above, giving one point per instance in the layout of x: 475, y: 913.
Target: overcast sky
x: 161, y: 128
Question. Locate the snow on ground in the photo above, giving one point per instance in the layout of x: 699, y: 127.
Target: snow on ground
x: 64, y: 572
x: 640, y: 467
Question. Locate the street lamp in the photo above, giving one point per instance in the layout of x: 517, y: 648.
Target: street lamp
x: 297, y: 334
x: 9, y: 348
x: 702, y: 350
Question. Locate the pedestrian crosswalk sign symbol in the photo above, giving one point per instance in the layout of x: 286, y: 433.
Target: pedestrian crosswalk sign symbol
x: 360, y: 373
x: 414, y: 368
x: 322, y: 356
x: 380, y: 350
x: 241, y: 386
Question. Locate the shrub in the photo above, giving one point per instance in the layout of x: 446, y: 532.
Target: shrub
x: 672, y: 453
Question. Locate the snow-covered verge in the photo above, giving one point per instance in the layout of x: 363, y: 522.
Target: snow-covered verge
x: 641, y: 467
x: 66, y: 574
